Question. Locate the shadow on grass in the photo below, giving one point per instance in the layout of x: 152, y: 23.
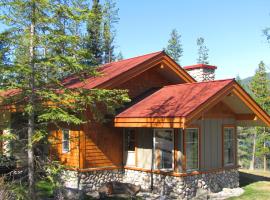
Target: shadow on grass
x: 246, y: 178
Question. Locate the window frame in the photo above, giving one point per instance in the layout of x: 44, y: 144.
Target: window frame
x: 64, y: 150
x: 230, y: 126
x: 173, y: 150
x: 125, y: 140
x: 185, y: 148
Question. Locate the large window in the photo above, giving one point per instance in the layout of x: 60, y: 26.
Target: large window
x: 164, y: 145
x: 65, y: 140
x: 228, y: 145
x: 192, y: 148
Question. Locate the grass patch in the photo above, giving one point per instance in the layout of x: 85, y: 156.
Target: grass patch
x: 45, y: 188
x: 257, y: 190
x: 256, y: 184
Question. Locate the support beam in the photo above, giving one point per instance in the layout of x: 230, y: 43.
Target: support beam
x: 246, y: 117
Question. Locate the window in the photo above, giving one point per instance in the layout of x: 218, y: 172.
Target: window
x: 130, y: 140
x: 164, y: 145
x: 228, y: 145
x: 65, y: 141
x: 192, y: 148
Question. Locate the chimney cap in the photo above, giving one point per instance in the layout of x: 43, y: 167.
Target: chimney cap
x: 200, y: 66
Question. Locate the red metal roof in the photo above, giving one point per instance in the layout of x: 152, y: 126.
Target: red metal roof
x: 108, y: 71
x: 199, y: 66
x: 175, y: 100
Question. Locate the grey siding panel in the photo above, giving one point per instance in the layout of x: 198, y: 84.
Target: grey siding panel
x: 219, y: 144
x: 211, y: 142
x: 207, y: 145
x: 144, y: 148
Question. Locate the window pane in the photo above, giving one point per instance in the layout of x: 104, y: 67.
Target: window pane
x: 130, y: 140
x: 228, y: 146
x: 164, y: 147
x: 65, y: 140
x: 192, y: 148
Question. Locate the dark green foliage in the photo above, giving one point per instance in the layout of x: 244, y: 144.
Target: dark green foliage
x: 94, y: 35
x: 259, y: 87
x: 46, y: 46
x: 110, y: 18
x: 245, y: 145
x: 202, y: 52
x: 174, y: 48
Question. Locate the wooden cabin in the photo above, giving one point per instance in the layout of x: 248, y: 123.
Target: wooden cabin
x: 177, y: 133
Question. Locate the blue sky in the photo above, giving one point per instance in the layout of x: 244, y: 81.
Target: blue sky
x: 232, y: 30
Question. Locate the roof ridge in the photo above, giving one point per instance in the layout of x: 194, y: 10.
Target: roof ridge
x: 229, y: 79
x: 157, y: 52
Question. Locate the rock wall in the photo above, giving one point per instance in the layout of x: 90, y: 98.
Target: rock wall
x: 185, y: 186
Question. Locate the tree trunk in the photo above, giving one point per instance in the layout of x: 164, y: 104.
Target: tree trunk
x: 31, y: 118
x: 252, y: 162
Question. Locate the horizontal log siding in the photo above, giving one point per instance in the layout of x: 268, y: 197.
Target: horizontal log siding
x: 70, y: 158
x: 103, y: 146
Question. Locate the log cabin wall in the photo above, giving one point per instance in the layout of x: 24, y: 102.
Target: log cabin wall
x: 70, y: 158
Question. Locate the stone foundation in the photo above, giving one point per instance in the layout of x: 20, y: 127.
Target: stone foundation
x: 185, y: 186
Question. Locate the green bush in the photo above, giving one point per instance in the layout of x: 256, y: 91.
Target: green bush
x: 7, y: 161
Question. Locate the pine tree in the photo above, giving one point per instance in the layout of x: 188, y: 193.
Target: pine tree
x: 259, y: 87
x: 110, y: 18
x: 174, y: 48
x: 119, y: 56
x: 94, y: 35
x: 202, y: 52
x: 43, y: 51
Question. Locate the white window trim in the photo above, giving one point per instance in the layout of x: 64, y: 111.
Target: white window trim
x: 154, y: 149
x: 64, y: 150
x: 198, y: 162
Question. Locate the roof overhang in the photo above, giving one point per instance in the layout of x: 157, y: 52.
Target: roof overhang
x: 249, y: 113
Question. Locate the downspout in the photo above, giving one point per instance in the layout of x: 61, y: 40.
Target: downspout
x: 152, y: 162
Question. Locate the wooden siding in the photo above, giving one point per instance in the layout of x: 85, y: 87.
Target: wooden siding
x: 144, y: 82
x: 70, y: 158
x: 211, y: 142
x: 103, y: 145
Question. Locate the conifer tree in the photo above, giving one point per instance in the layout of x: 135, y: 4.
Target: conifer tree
x: 94, y: 35
x: 260, y: 89
x: 110, y: 18
x: 44, y: 50
x: 174, y: 48
x: 202, y: 52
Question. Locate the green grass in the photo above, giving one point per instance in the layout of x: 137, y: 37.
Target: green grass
x: 257, y: 190
x: 256, y: 184
x: 45, y: 188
